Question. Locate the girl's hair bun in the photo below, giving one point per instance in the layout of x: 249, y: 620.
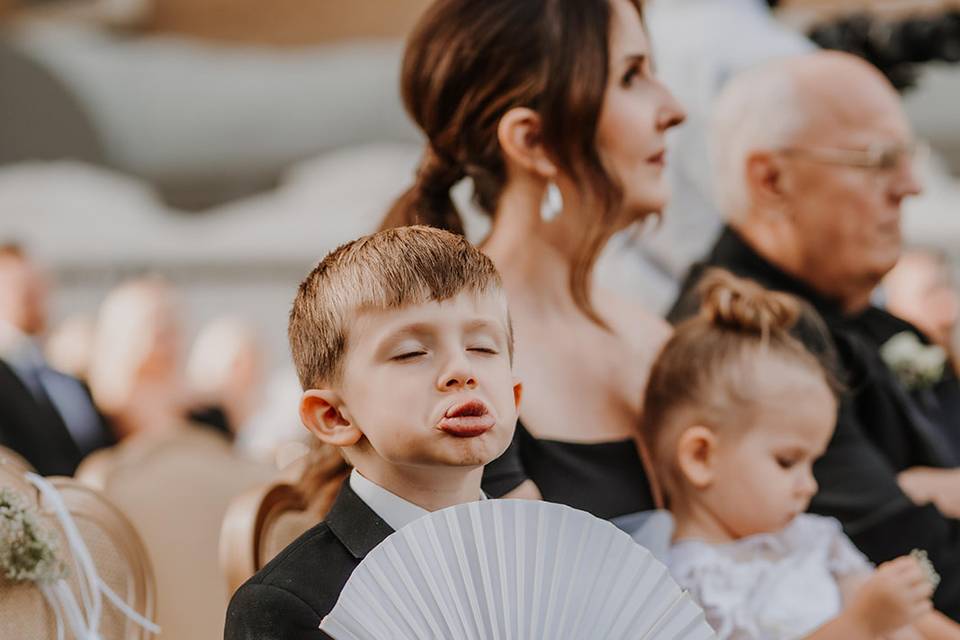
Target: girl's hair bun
x: 738, y: 304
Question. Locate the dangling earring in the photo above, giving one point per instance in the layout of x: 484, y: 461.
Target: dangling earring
x: 552, y: 203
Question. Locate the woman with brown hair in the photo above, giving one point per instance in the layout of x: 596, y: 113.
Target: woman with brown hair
x: 551, y: 108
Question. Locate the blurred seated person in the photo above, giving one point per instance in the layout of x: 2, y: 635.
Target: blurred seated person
x: 46, y: 416
x: 69, y: 344
x: 813, y: 159
x: 921, y: 290
x: 225, y: 375
x: 275, y: 431
x: 171, y: 477
x: 135, y: 372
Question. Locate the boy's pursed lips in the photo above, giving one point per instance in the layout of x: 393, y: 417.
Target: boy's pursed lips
x: 467, y: 419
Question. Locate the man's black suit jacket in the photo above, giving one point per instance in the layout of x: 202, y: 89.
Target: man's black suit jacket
x: 287, y: 599
x: 881, y: 430
x: 34, y: 429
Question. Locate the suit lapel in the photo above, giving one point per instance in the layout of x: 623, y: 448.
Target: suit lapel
x: 356, y: 525
x: 36, y: 430
x: 41, y: 409
x: 938, y: 448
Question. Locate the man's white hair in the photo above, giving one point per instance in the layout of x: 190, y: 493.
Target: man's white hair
x: 759, y: 109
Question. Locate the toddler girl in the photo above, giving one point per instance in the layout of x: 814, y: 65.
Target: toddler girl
x: 736, y: 412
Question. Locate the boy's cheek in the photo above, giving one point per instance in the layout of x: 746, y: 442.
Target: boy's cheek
x: 393, y: 446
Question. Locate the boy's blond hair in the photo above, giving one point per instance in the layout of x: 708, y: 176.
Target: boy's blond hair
x: 390, y: 269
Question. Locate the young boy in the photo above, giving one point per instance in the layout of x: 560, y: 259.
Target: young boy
x: 403, y: 345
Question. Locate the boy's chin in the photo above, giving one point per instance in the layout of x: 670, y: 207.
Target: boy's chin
x: 468, y: 452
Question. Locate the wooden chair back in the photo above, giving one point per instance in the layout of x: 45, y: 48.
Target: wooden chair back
x: 11, y: 460
x: 175, y: 488
x: 261, y: 522
x: 117, y: 552
x: 252, y: 533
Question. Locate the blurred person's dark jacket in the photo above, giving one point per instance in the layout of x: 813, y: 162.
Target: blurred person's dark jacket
x: 31, y: 424
x: 881, y: 429
x: 212, y: 417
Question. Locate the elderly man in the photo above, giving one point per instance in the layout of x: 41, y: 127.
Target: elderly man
x: 921, y: 290
x: 812, y: 157
x: 45, y: 416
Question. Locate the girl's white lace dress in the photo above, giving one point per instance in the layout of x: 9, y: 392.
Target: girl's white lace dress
x: 770, y: 586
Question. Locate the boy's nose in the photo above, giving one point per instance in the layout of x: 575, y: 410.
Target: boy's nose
x: 457, y: 375
x: 460, y: 381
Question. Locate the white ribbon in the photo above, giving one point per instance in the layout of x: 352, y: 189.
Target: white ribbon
x: 83, y: 622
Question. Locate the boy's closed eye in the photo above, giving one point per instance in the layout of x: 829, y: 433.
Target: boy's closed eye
x: 408, y: 355
x: 489, y: 348
x: 405, y: 350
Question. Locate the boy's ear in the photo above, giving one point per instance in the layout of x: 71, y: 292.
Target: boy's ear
x: 323, y: 413
x: 696, y: 456
x: 517, y: 393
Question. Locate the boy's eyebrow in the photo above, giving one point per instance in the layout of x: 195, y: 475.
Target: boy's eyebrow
x: 482, y: 323
x: 415, y: 329
x: 419, y: 329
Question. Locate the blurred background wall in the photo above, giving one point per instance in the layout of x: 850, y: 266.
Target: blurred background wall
x: 228, y: 144
x: 284, y: 22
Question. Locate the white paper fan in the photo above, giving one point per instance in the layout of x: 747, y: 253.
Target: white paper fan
x: 512, y: 570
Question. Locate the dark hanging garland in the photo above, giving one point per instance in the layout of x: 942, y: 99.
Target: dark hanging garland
x: 896, y: 48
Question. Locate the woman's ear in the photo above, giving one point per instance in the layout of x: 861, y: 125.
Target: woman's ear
x: 521, y: 139
x: 696, y: 456
x: 322, y: 413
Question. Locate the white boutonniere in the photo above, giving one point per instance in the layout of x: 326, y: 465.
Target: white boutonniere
x: 917, y: 365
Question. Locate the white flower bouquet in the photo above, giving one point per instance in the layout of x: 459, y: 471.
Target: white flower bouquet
x: 29, y: 550
x: 30, y: 553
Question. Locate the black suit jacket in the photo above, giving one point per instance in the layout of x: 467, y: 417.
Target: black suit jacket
x: 34, y: 429
x: 881, y: 430
x: 288, y: 597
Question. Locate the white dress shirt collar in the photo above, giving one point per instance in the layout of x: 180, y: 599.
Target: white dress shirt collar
x: 18, y: 347
x: 394, y: 510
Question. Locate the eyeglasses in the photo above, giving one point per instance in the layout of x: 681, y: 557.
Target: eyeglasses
x: 878, y: 157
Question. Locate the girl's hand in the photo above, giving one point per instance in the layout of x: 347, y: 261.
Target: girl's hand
x: 894, y: 596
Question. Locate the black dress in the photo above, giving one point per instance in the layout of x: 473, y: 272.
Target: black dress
x: 606, y: 479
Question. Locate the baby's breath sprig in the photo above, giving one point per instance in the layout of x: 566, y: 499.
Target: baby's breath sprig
x: 926, y: 566
x: 28, y: 548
